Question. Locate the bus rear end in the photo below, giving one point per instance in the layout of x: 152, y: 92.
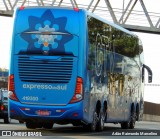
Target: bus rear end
x: 45, y: 80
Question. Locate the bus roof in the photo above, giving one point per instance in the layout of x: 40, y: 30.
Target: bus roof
x: 28, y: 18
x: 88, y: 13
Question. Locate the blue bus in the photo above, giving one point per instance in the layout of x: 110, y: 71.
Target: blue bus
x: 70, y: 66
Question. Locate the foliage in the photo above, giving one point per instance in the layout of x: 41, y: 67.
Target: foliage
x: 123, y: 43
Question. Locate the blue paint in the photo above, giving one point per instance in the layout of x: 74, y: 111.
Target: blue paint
x: 51, y: 49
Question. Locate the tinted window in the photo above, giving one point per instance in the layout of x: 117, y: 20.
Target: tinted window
x: 112, y: 38
x: 125, y: 44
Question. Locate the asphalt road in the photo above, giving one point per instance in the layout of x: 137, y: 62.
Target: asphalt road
x: 143, y: 130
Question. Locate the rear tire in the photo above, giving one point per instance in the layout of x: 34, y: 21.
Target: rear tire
x: 125, y: 125
x: 92, y: 126
x: 75, y: 124
x: 30, y: 125
x: 131, y: 123
x: 6, y: 120
x: 21, y: 122
x: 100, y: 123
x: 47, y: 125
x: 133, y: 120
x: 137, y: 113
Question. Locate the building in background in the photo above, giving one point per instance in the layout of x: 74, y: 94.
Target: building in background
x: 3, y: 78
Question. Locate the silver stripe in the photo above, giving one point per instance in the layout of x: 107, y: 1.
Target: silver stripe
x: 47, y: 33
x: 43, y: 104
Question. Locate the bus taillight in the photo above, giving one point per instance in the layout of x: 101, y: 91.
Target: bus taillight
x: 11, y: 83
x: 11, y: 88
x: 2, y: 107
x: 78, y: 95
x: 76, y: 9
x: 21, y: 8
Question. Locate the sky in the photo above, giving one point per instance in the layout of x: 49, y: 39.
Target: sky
x: 151, y: 44
x: 5, y: 39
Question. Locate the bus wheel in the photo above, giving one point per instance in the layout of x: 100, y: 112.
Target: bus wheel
x: 30, y: 125
x: 75, y: 124
x: 133, y: 120
x: 6, y: 120
x: 137, y: 113
x: 21, y: 122
x: 100, y: 123
x: 48, y: 125
x: 125, y: 125
x: 132, y: 125
x: 92, y: 126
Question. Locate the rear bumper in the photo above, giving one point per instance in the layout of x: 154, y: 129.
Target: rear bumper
x: 57, y: 113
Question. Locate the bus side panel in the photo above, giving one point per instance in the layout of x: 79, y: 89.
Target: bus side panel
x: 82, y: 64
x: 122, y: 68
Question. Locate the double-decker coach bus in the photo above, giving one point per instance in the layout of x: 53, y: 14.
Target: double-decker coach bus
x: 70, y: 66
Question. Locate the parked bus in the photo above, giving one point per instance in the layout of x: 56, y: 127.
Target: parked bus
x: 70, y: 66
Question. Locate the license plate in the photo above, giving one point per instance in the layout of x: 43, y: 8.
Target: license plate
x: 43, y: 113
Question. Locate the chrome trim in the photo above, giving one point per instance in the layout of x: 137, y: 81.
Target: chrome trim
x: 44, y: 104
x: 47, y: 33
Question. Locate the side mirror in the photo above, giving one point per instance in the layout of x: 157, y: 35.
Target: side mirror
x: 149, y: 73
x: 149, y: 78
x: 143, y: 74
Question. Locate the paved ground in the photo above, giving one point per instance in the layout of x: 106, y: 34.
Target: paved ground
x: 70, y: 132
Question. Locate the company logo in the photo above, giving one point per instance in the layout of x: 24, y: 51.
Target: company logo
x: 6, y: 133
x: 44, y: 38
x: 20, y: 133
x: 44, y: 87
x: 47, y: 33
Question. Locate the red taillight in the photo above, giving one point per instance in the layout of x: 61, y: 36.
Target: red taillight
x: 11, y: 83
x: 21, y: 8
x: 11, y: 88
x: 78, y: 95
x: 76, y: 9
x: 79, y: 86
x: 2, y: 107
